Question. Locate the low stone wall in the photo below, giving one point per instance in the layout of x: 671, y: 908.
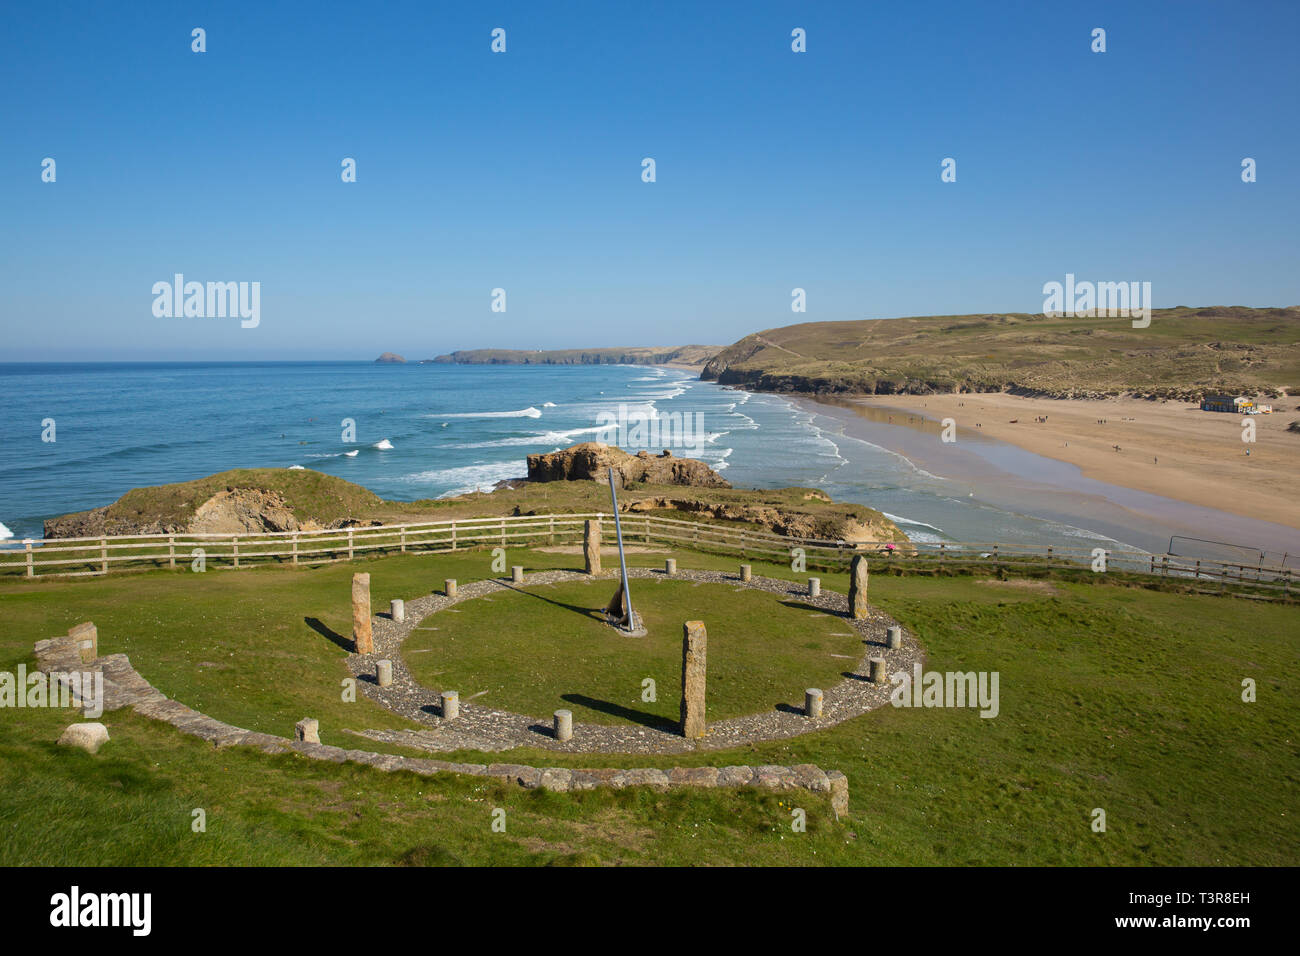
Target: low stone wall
x: 124, y: 687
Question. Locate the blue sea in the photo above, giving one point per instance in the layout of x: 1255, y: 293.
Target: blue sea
x: 427, y: 431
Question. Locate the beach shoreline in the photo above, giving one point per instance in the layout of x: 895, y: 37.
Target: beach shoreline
x: 1177, y: 470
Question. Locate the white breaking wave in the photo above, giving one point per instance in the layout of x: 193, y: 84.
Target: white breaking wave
x: 469, y: 478
x: 291, y: 468
x: 383, y: 445
x: 5, y: 532
x: 899, y: 519
x: 548, y: 404
x: 528, y: 412
x: 540, y: 438
x: 352, y: 454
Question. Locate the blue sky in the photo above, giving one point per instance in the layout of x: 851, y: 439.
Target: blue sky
x: 523, y: 170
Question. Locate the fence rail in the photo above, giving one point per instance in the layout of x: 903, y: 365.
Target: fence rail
x: 71, y: 557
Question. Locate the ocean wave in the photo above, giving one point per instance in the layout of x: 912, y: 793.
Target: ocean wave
x: 548, y: 404
x: 383, y: 445
x: 466, y: 478
x: 352, y: 454
x: 297, y: 468
x: 529, y: 412
x: 899, y: 519
x: 5, y: 532
x: 538, y: 438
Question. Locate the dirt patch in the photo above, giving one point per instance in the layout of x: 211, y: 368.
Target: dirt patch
x: 1024, y: 584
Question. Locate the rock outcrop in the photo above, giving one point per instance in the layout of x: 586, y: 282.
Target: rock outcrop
x: 390, y: 358
x: 854, y: 523
x: 592, y: 461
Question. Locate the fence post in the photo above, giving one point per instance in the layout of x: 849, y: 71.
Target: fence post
x: 295, y: 549
x: 742, y: 543
x: 1049, y: 555
x: 235, y: 548
x: 995, y: 557
x: 1153, y: 565
x: 552, y: 538
x: 403, y: 539
x: 453, y: 534
x: 27, y: 546
x: 171, y: 551
x: 103, y: 555
x: 503, y: 532
x: 941, y: 552
x: 350, y: 550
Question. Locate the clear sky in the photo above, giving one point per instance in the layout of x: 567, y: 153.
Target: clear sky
x: 522, y: 170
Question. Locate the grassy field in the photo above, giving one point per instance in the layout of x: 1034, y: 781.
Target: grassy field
x: 1112, y: 697
x: 1181, y: 354
x: 548, y: 646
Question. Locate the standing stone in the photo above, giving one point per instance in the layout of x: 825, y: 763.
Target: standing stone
x: 449, y: 587
x: 877, y: 670
x: 450, y: 705
x: 812, y: 702
x: 397, y: 610
x: 894, y: 636
x: 694, y: 647
x: 361, y: 636
x: 563, y: 725
x: 814, y: 587
x: 516, y: 574
x: 384, y: 673
x: 591, y: 546
x: 86, y: 636
x: 307, y: 730
x: 858, y: 587
x: 670, y: 566
x: 839, y: 792
x: 746, y: 572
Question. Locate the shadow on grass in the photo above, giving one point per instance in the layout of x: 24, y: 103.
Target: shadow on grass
x: 653, y: 721
x: 330, y: 634
x: 595, y: 614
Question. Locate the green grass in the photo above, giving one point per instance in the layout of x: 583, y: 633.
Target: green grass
x: 1111, y: 696
x: 1181, y: 354
x: 547, y: 647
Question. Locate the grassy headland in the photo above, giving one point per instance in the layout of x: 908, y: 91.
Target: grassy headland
x: 1184, y: 353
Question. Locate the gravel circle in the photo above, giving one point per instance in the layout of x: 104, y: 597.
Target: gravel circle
x: 485, y: 729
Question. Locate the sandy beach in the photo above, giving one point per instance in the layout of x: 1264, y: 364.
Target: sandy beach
x: 1172, y: 449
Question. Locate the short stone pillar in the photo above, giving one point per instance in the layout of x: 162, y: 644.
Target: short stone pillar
x: 746, y: 572
x: 894, y: 637
x: 86, y: 636
x: 591, y: 546
x: 397, y: 610
x: 563, y: 725
x: 812, y: 702
x: 307, y: 730
x: 877, y: 673
x: 383, y: 673
x: 449, y: 587
x: 516, y: 574
x: 858, y: 587
x: 361, y: 635
x: 695, y: 641
x: 670, y: 566
x: 814, y: 587
x: 450, y: 705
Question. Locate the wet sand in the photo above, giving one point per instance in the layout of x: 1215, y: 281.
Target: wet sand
x: 1178, y: 470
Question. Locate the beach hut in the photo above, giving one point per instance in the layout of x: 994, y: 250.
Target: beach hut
x: 1219, y: 403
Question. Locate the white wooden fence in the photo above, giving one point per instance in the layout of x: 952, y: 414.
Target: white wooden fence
x: 100, y: 555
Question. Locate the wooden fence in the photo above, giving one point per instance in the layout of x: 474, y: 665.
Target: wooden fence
x: 97, y: 556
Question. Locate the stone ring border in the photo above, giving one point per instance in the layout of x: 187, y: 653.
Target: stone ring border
x: 485, y: 729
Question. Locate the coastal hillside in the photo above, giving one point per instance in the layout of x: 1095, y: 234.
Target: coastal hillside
x: 1183, y: 354
x: 259, y: 500
x: 694, y: 355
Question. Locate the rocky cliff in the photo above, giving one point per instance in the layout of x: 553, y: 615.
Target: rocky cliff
x: 592, y: 461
